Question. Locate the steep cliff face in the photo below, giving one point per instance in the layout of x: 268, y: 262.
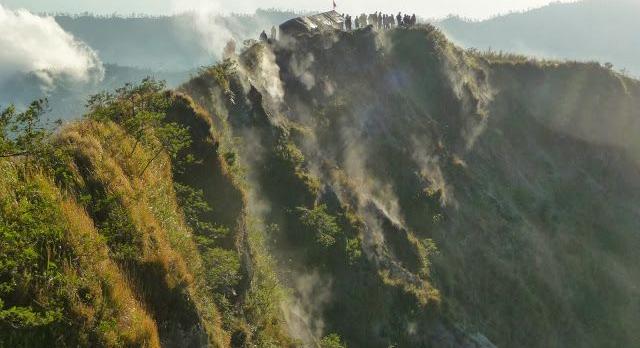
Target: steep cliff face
x: 109, y: 241
x: 119, y: 267
x: 417, y: 194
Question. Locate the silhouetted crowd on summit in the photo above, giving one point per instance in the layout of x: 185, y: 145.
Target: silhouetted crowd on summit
x: 379, y: 20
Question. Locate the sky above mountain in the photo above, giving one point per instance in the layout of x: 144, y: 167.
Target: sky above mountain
x: 431, y: 9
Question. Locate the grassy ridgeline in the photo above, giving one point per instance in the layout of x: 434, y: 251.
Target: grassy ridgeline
x: 100, y: 252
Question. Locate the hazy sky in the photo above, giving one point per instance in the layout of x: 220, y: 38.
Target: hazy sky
x: 427, y: 8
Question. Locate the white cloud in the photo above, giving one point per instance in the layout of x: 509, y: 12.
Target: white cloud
x: 35, y: 44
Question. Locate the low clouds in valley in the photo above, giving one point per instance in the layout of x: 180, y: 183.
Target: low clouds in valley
x: 35, y: 44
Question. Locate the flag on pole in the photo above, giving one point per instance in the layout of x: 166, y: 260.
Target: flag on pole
x: 334, y: 4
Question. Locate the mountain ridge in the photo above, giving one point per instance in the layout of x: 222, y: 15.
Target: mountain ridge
x: 343, y: 189
x: 469, y: 92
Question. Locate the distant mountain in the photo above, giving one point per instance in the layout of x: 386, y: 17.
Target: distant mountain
x: 600, y: 30
x: 67, y: 98
x: 164, y: 43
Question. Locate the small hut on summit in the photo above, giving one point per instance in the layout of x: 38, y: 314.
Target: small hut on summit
x: 321, y: 21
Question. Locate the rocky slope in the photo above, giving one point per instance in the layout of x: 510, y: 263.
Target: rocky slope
x: 478, y: 198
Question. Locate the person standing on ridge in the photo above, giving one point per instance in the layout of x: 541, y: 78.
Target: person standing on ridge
x: 413, y: 19
x: 263, y: 36
x: 229, y: 49
x: 399, y: 18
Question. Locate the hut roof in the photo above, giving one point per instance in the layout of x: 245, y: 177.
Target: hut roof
x: 321, y: 21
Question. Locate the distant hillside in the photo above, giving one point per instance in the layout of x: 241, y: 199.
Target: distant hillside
x: 601, y: 30
x: 166, y: 48
x: 162, y: 43
x: 67, y: 99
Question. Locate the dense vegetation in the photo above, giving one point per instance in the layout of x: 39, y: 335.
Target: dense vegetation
x: 97, y: 247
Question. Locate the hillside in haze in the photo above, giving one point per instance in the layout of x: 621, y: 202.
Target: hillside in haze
x: 131, y: 48
x: 588, y: 30
x: 67, y: 99
x: 341, y: 189
x: 172, y: 43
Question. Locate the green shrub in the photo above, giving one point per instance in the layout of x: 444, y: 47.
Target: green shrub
x: 321, y: 224
x: 31, y: 246
x: 115, y: 224
x: 25, y: 134
x: 142, y: 111
x: 221, y: 72
x: 354, y: 250
x: 332, y: 341
x: 195, y: 207
x: 223, y: 269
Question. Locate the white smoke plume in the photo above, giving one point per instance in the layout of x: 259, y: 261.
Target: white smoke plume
x: 268, y: 78
x: 430, y: 170
x: 300, y: 67
x: 206, y: 16
x: 35, y: 44
x: 304, y: 311
x: 264, y: 75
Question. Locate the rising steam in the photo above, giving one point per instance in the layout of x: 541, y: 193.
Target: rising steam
x: 213, y: 36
